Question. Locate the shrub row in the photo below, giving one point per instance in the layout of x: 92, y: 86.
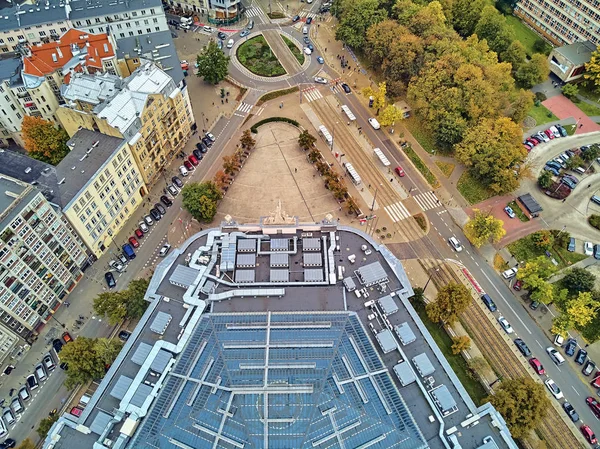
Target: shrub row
x: 255, y: 127
x: 418, y: 162
x: 275, y: 94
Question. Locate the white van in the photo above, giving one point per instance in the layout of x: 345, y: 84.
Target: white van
x: 555, y: 355
x: 374, y: 123
x: 183, y: 171
x: 207, y: 29
x: 230, y: 43
x: 305, y: 30
x: 186, y: 20
x: 40, y: 372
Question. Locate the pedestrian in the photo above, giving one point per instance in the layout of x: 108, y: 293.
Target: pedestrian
x: 213, y: 103
x: 564, y: 200
x: 581, y: 125
x: 348, y: 123
x: 295, y: 170
x: 226, y: 100
x: 325, y: 48
x: 589, y: 185
x: 222, y: 101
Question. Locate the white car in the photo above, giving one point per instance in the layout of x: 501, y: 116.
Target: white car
x: 374, y: 123
x: 172, y: 190
x: 148, y: 220
x: 559, y: 340
x: 505, y: 325
x: 510, y: 273
x: 210, y: 137
x: 116, y: 265
x: 455, y: 244
x: 553, y: 388
x: 307, y: 50
x: 230, y: 43
x: 320, y: 80
x: 143, y: 226
x: 164, y: 250
x: 588, y: 249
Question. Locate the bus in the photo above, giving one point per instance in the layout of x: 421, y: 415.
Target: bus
x: 384, y: 160
x: 353, y: 173
x: 348, y: 113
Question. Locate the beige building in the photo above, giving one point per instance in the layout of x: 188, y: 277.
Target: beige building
x: 568, y: 62
x: 147, y: 109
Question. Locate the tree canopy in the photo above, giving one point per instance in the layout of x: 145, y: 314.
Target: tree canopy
x: 522, y: 403
x: 452, y: 300
x: 579, y: 280
x: 200, y: 200
x: 43, y: 140
x: 212, y: 63
x: 356, y: 16
x: 533, y: 72
x: 44, y: 427
x: 483, y: 228
x: 306, y: 140
x: 125, y: 304
x: 592, y: 69
x: 88, y: 358
x: 493, y: 28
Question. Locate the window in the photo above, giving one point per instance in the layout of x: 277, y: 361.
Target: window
x: 11, y: 39
x: 145, y: 21
x: 119, y: 26
x: 88, y: 21
x: 88, y: 196
x: 128, y: 25
x: 13, y: 107
x: 19, y: 116
x: 94, y: 206
x: 97, y: 19
x: 43, y: 99
x: 96, y: 185
x: 134, y: 13
x: 63, y: 30
x: 122, y: 35
x: 20, y: 37
x: 42, y: 33
x: 31, y: 35
x: 139, y: 31
x: 131, y: 34
x: 148, y: 30
x: 155, y: 20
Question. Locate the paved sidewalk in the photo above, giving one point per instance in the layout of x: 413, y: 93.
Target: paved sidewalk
x: 564, y: 108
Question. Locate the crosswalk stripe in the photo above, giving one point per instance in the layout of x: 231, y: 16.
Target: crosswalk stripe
x: 427, y: 200
x: 254, y: 11
x: 397, y: 211
x: 259, y: 110
x: 244, y: 107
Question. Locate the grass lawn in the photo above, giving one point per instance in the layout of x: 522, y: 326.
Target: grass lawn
x: 523, y: 34
x: 421, y: 166
x: 446, y: 167
x: 518, y: 212
x: 256, y: 55
x: 524, y: 249
x: 570, y: 129
x: 457, y: 362
x: 541, y: 115
x: 472, y: 190
x: 588, y: 109
x: 295, y: 50
x: 423, y: 136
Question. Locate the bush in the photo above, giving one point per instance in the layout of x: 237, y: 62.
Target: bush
x: 541, y: 46
x: 256, y: 55
x: 421, y: 166
x: 275, y: 94
x: 540, y: 96
x: 558, y: 191
x: 297, y: 52
x: 594, y: 221
x: 255, y: 127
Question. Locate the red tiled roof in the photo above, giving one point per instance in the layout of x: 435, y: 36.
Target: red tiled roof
x: 41, y: 62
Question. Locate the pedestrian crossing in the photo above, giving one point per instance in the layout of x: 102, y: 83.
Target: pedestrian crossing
x: 245, y: 108
x: 397, y: 211
x: 311, y: 94
x: 307, y: 14
x: 254, y: 11
x: 425, y: 201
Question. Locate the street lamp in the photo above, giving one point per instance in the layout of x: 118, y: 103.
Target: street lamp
x: 375, y: 197
x: 430, y: 276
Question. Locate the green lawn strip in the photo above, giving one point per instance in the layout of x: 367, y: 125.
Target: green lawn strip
x: 540, y: 114
x: 525, y: 249
x: 446, y: 167
x: 472, y: 190
x: 256, y: 55
x: 457, y: 362
x: 570, y: 129
x: 294, y: 49
x: 518, y: 212
x: 423, y: 136
x: 418, y: 162
x: 588, y: 109
x: 523, y: 33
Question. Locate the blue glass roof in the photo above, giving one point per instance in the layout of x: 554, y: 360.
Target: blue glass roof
x: 324, y: 386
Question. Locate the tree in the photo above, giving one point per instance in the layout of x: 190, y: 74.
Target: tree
x: 522, y: 403
x: 493, y: 151
x: 377, y: 94
x: 306, y: 140
x: 582, y: 309
x: 27, y: 443
x: 543, y: 239
x: 404, y: 59
x: 229, y: 165
x: 533, y: 72
x: 451, y: 301
x: 428, y: 19
x: 212, y: 64
x: 465, y: 15
x: 380, y: 37
x: 43, y: 140
x: 534, y: 275
x: 88, y: 358
x: 125, y: 304
x: 200, y: 200
x: 592, y: 70
x: 570, y: 90
x: 356, y: 16
x: 462, y: 343
x: 44, y: 427
x: 574, y: 162
x: 484, y: 227
x: 561, y: 325
x: 544, y: 293
x: 221, y: 179
x: 592, y: 153
x: 247, y: 141
x: 493, y: 28
x: 545, y: 179
x: 515, y: 54
x: 521, y: 105
x: 579, y: 280
x: 390, y: 115
x: 418, y: 295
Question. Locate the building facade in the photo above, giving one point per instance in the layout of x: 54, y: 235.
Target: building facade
x: 150, y: 111
x: 562, y: 22
x: 568, y: 62
x: 41, y: 257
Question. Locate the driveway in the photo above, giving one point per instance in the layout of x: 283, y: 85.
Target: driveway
x: 564, y: 108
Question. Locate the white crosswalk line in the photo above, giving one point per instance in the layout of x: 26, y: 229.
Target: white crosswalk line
x: 254, y: 11
x: 427, y: 200
x: 244, y: 107
x: 259, y: 110
x: 397, y: 211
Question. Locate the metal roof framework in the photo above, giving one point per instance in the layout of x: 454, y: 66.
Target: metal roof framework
x: 388, y: 305
x: 160, y: 323
x: 405, y: 333
x: 121, y: 387
x: 279, y: 244
x: 246, y: 245
x: 312, y: 259
x: 371, y: 274
x: 386, y: 340
x: 141, y: 353
x: 279, y: 260
x: 405, y: 374
x: 100, y: 422
x: 279, y: 275
x: 183, y: 276
x: 313, y: 275
x: 349, y: 284
x: 423, y: 364
x: 311, y: 244
x: 141, y: 394
x: 244, y: 276
x: 444, y: 400
x: 246, y: 260
x: 161, y: 361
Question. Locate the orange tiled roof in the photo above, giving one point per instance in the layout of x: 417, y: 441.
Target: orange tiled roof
x: 41, y: 62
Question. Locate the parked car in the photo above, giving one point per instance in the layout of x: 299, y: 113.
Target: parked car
x: 559, y: 340
x: 537, y: 366
x: 244, y: 33
x: 32, y: 381
x: 588, y: 368
x: 159, y: 207
x: 521, y: 346
x: 553, y: 388
x: 568, y: 183
x: 193, y: 160
x: 118, y: 266
x: 9, y: 443
x: 320, y: 60
x: 570, y: 347
x: 487, y: 300
x: 562, y: 131
x: 549, y: 133
x: 570, y: 411
x: 588, y: 249
x: 552, y: 170
x: 207, y: 141
x: 307, y: 50
x: 510, y: 273
x: 67, y: 337
x: 172, y: 190
x: 581, y: 356
x: 177, y: 181
x: 509, y: 212
x: 24, y: 393
x: 573, y: 178
x: 518, y: 285
x: 49, y: 362
x: 143, y: 227
x: 148, y: 220
x: 198, y: 154
x: 133, y: 242
x: 110, y: 280
x: 505, y: 325
x: 164, y: 250
x: 593, y: 405
x: 166, y: 201
x: 188, y: 166
x: 155, y: 214
x: 9, y: 416
x: 57, y: 345
x: 597, y: 252
x: 588, y: 434
x: 124, y: 335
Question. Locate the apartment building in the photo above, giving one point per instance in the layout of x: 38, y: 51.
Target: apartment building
x: 41, y: 256
x: 219, y: 11
x: 15, y: 102
x: 562, y: 22
x: 150, y: 111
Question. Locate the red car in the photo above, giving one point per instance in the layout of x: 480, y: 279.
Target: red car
x: 188, y: 165
x: 537, y: 366
x: 518, y: 285
x: 593, y: 405
x: 67, y: 337
x: 193, y: 159
x: 549, y: 133
x: 399, y: 171
x: 76, y: 411
x: 596, y: 381
x: 138, y: 233
x: 588, y: 433
x: 134, y: 242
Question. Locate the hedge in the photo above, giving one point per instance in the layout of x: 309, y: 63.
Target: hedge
x: 255, y: 127
x: 418, y: 162
x: 275, y: 94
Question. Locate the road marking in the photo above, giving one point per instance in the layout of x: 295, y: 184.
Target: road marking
x: 506, y: 302
x: 397, y: 211
x: 427, y: 200
x: 244, y: 107
x: 539, y: 344
x: 575, y: 390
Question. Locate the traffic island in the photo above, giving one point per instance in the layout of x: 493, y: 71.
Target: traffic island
x: 256, y: 55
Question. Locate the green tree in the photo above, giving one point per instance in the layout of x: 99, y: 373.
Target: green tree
x: 545, y: 179
x: 247, y: 141
x: 521, y: 104
x: 544, y: 293
x: 404, y: 59
x: 390, y: 115
x: 380, y: 37
x: 43, y: 140
x: 522, y: 402
x: 540, y: 267
x: 582, y: 309
x: 533, y: 72
x: 484, y: 227
x: 570, y: 90
x: 306, y: 140
x: 87, y: 358
x: 543, y: 239
x: 44, y: 427
x: 561, y: 325
x: 212, y: 64
x: 574, y: 162
x: 515, y: 54
x: 493, y: 151
x: 377, y: 94
x: 428, y: 19
x: 493, y: 28
x: 356, y: 16
x: 579, y: 280
x: 592, y: 153
x: 465, y: 15
x: 452, y: 300
x: 460, y: 344
x: 592, y: 70
x: 200, y: 200
x: 418, y: 296
x: 125, y: 304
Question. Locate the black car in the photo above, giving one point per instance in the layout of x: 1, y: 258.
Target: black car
x: 166, y: 201
x: 570, y: 411
x: 177, y: 181
x: 346, y: 88
x: 221, y: 35
x: 9, y: 369
x: 159, y: 207
x: 57, y: 345
x: 581, y: 356
x: 110, y: 279
x: 198, y: 154
x: 306, y: 40
x: 296, y: 18
x: 206, y: 141
x: 570, y: 347
x: 8, y: 443
x: 155, y: 214
x: 522, y: 347
x: 124, y: 335
x: 534, y: 305
x: 309, y: 20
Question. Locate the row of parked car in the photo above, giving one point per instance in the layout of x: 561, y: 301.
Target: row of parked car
x: 544, y: 136
x: 559, y: 163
